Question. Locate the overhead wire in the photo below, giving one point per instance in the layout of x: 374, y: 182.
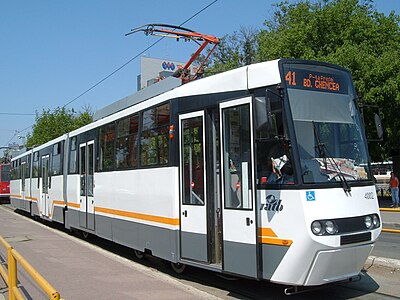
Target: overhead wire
x: 15, y: 114
x: 121, y: 67
x: 136, y: 56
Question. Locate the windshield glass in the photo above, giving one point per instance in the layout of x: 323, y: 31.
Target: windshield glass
x: 5, y: 173
x: 327, y: 124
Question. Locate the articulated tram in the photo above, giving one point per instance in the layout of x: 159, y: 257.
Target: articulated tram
x: 261, y: 172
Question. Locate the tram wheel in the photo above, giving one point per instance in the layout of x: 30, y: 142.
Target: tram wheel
x: 139, y: 254
x: 178, y: 267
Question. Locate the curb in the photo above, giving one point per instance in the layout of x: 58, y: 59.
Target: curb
x: 382, y: 262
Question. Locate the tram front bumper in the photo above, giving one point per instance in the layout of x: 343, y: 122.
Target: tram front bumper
x: 338, y: 264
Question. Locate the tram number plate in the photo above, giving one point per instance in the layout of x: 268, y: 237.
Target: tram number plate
x: 369, y: 195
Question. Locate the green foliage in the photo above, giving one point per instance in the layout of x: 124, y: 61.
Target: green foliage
x: 350, y: 33
x: 233, y: 51
x: 52, y: 124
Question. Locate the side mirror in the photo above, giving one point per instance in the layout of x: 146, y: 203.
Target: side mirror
x: 263, y: 113
x: 268, y: 107
x: 372, y: 122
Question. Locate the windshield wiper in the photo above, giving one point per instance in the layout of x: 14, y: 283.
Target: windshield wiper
x: 324, y: 154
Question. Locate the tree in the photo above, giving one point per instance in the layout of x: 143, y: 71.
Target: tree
x: 235, y: 50
x: 52, y: 124
x: 349, y: 33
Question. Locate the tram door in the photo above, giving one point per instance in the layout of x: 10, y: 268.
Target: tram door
x: 86, y: 172
x: 46, y: 182
x: 193, y: 233
x: 238, y: 190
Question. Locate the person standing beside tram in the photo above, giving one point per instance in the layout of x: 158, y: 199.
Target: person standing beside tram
x: 394, y: 187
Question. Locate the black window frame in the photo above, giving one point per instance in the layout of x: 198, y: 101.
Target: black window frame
x: 73, y: 156
x: 35, y: 163
x: 158, y: 134
x: 128, y: 136
x: 56, y: 159
x: 101, y: 158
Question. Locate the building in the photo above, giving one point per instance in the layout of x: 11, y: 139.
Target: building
x: 153, y: 70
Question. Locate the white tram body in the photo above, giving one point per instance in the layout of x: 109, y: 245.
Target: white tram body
x: 193, y: 175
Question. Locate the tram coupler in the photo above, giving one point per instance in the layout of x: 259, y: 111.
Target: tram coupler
x: 352, y: 279
x: 294, y: 290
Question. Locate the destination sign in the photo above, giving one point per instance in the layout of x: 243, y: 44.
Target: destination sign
x: 317, y: 81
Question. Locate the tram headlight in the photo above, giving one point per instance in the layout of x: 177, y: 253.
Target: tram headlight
x: 317, y: 228
x: 330, y: 227
x: 375, y: 221
x: 368, y: 222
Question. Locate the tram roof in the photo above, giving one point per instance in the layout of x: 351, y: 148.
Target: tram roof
x: 243, y: 78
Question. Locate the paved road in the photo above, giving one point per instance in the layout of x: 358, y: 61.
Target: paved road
x: 376, y: 283
x: 388, y: 245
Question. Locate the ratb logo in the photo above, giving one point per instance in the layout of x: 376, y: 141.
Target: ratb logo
x: 272, y: 204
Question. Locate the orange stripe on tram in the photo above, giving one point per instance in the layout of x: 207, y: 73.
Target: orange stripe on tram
x: 157, y: 219
x: 268, y: 236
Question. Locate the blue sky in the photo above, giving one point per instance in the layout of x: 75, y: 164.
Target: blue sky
x: 52, y: 51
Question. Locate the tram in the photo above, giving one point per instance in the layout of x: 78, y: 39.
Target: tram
x: 5, y: 182
x: 262, y: 172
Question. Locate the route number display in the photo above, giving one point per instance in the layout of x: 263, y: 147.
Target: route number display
x: 317, y: 81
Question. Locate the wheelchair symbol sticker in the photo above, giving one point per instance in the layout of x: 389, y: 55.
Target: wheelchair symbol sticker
x: 310, y: 195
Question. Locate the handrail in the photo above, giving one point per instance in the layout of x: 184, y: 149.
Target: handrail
x: 390, y: 230
x: 390, y: 209
x: 11, y: 278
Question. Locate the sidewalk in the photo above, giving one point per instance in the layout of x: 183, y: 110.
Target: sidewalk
x: 80, y: 270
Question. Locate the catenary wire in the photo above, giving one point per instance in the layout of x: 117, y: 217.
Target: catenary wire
x: 15, y: 114
x: 136, y: 56
x: 121, y: 67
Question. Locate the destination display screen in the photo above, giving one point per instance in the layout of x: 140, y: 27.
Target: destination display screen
x: 316, y: 78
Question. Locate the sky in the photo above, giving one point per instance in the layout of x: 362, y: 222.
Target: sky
x: 52, y: 51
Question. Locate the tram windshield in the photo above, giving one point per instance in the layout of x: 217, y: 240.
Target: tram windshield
x: 327, y: 124
x: 5, y: 173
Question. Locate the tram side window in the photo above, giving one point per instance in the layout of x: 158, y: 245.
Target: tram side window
x: 14, y: 170
x: 193, y: 161
x: 106, y: 148
x: 274, y: 154
x: 154, y: 142
x: 269, y: 116
x: 27, y: 166
x: 72, y: 169
x: 56, y: 159
x: 35, y: 165
x: 127, y: 130
x: 17, y: 174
